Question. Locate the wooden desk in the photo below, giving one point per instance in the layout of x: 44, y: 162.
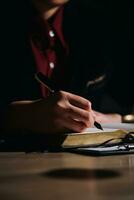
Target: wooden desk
x: 65, y: 176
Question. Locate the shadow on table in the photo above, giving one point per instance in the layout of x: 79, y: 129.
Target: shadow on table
x: 75, y: 173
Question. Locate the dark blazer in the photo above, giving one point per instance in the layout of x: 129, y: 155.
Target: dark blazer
x: 94, y: 70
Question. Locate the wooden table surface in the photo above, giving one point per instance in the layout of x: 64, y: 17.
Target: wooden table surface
x: 66, y: 176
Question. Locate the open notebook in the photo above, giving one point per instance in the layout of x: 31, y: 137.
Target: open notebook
x: 115, y: 138
x: 92, y: 138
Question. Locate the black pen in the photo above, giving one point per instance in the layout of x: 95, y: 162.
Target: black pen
x: 44, y: 80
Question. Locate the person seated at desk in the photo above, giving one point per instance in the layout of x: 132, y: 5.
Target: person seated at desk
x: 61, y: 39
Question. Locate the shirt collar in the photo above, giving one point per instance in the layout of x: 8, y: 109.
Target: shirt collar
x: 40, y: 30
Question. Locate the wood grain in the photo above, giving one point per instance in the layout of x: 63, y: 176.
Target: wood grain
x: 65, y: 176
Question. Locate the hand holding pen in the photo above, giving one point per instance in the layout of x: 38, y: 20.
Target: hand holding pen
x: 75, y: 112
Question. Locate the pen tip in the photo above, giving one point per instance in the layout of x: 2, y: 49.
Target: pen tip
x: 97, y: 125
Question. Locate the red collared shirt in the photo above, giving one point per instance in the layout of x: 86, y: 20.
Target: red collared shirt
x: 50, y: 49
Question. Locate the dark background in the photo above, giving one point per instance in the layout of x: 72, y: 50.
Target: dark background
x: 116, y: 32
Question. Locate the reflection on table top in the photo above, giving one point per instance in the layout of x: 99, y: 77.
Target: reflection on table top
x: 65, y: 176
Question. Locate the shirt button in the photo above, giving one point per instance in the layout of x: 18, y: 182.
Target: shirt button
x: 51, y: 65
x: 51, y: 33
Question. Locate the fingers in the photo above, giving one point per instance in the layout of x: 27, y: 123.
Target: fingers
x: 70, y: 112
x: 72, y: 125
x: 79, y: 101
x: 74, y: 119
x: 80, y: 115
x: 75, y: 108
